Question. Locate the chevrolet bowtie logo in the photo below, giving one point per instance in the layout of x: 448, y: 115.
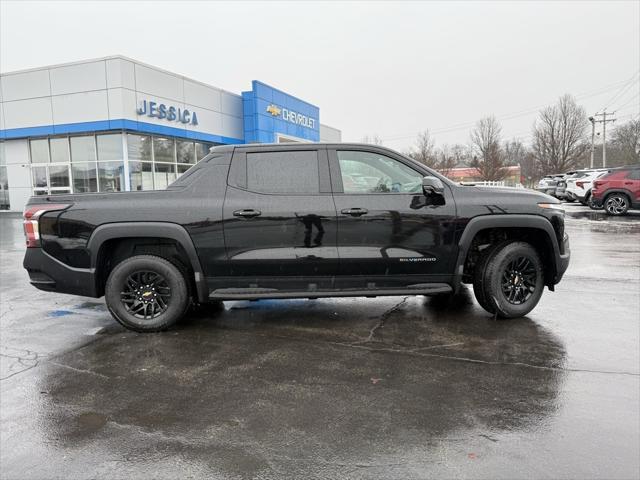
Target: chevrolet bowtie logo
x: 273, y: 110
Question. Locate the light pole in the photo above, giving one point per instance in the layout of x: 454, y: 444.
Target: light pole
x: 604, y: 133
x: 593, y: 137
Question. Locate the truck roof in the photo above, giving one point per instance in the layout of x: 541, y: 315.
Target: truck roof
x: 224, y: 148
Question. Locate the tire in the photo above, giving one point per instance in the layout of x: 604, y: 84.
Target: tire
x: 616, y: 204
x: 586, y: 199
x: 478, y: 277
x: 519, y: 294
x: 592, y: 205
x: 146, y: 293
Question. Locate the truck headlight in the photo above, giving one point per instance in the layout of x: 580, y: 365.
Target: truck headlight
x: 553, y: 206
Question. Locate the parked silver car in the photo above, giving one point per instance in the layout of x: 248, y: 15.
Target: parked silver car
x: 549, y: 184
x: 579, y: 185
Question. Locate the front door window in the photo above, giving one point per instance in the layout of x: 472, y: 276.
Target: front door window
x: 368, y: 172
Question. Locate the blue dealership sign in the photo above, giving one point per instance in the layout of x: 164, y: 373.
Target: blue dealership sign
x: 269, y: 112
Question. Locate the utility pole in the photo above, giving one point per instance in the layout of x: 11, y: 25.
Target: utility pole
x: 593, y: 139
x: 604, y: 133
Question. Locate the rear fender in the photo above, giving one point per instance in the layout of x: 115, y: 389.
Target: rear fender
x: 152, y: 230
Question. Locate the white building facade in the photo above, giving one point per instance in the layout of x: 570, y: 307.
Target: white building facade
x: 115, y: 124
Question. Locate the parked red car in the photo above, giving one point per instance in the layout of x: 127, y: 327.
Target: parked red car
x: 618, y: 191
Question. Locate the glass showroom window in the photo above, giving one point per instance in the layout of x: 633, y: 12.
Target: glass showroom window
x: 111, y: 176
x: 84, y: 168
x: 139, y: 147
x: 140, y: 162
x: 109, y: 147
x: 39, y: 150
x: 202, y: 150
x: 40, y: 180
x: 77, y: 164
x: 155, y: 162
x: 59, y: 150
x: 141, y: 175
x: 164, y: 158
x: 164, y: 150
x: 53, y: 175
x: 164, y: 174
x: 59, y: 179
x: 4, y: 180
x: 185, y: 152
x: 110, y: 162
x: 186, y: 156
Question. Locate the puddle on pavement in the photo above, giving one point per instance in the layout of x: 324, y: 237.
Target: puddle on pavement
x: 59, y: 313
x: 90, y: 422
x: 99, y: 307
x: 600, y: 216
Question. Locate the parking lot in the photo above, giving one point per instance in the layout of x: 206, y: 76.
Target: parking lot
x: 394, y: 387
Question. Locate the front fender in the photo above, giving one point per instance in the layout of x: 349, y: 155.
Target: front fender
x: 476, y: 224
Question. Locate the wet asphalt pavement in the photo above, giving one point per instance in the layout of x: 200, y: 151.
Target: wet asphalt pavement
x: 394, y: 387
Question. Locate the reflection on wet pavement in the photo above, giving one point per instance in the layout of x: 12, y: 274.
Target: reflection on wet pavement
x: 305, y: 377
x: 393, y: 387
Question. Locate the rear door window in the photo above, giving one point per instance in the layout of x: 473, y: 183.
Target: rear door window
x: 293, y: 172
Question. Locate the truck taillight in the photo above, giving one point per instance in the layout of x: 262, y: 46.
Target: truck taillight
x: 31, y: 217
x: 580, y: 184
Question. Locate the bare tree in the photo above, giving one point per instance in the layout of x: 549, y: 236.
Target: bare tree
x: 488, y: 156
x: 517, y: 153
x: 424, y: 151
x: 626, y: 139
x: 461, y: 154
x: 529, y: 169
x: 514, y: 152
x: 373, y: 140
x: 448, y: 158
x: 559, y: 142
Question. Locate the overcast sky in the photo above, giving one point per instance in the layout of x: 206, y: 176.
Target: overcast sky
x: 391, y: 69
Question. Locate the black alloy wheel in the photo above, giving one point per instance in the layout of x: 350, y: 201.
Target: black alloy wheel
x: 146, y: 294
x: 519, y: 280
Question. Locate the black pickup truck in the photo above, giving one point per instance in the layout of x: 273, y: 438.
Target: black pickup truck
x: 296, y: 221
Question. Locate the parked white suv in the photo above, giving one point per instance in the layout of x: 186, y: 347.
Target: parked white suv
x: 580, y: 184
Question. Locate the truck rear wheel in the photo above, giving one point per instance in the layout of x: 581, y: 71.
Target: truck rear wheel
x: 511, y: 280
x: 146, y: 293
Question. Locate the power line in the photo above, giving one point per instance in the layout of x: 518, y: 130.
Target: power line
x: 628, y: 101
x: 622, y: 90
x: 509, y: 116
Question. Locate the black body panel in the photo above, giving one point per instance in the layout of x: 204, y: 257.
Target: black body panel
x: 391, y: 234
x: 298, y: 244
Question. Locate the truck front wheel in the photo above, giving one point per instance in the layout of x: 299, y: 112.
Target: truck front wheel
x: 511, y: 280
x: 146, y: 293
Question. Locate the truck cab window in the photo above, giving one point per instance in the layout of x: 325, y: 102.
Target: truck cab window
x: 283, y: 172
x: 369, y: 172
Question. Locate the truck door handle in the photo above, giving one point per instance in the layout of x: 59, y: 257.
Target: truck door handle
x: 628, y: 183
x: 355, y: 212
x: 247, y: 213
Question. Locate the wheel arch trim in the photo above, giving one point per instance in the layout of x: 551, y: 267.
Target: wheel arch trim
x: 484, y: 222
x: 168, y: 230
x: 613, y: 191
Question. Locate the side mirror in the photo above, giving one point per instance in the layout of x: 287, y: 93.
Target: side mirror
x: 432, y: 186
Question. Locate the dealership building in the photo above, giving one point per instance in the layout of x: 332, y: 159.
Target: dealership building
x: 116, y: 124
